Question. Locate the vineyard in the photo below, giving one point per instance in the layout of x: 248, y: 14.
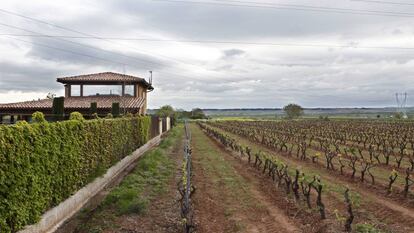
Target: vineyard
x: 354, y: 175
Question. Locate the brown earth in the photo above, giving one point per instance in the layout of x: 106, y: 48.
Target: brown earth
x: 250, y: 203
x: 388, y: 214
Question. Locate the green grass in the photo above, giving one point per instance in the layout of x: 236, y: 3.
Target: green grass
x: 366, y: 228
x: 149, y: 179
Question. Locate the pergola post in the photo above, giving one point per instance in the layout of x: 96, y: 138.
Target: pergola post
x: 123, y: 89
x: 68, y: 90
x: 11, y: 119
x: 81, y: 90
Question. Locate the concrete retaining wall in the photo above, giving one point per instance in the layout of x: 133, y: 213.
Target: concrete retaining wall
x: 55, y: 217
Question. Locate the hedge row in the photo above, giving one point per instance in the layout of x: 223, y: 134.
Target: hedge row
x: 42, y: 164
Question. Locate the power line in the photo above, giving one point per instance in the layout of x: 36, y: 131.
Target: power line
x: 385, y: 2
x: 318, y: 7
x: 80, y: 44
x: 87, y: 34
x: 92, y: 47
x: 298, y: 8
x: 94, y: 57
x: 69, y: 51
x: 221, y: 42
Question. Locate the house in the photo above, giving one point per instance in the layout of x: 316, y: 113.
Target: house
x: 104, y: 89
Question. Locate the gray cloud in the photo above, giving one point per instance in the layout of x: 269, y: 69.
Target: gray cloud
x: 27, y: 77
x: 218, y: 75
x: 230, y: 53
x: 75, y: 53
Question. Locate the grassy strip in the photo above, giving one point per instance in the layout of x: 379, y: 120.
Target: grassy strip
x: 148, y: 181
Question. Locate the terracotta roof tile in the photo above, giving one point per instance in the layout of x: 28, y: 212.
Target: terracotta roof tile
x: 106, y: 77
x: 78, y: 103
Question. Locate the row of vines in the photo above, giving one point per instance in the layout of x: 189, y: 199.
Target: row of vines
x: 293, y: 181
x: 349, y: 148
x: 185, y: 186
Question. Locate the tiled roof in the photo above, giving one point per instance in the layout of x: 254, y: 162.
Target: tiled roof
x: 102, y: 77
x: 34, y: 104
x: 78, y: 103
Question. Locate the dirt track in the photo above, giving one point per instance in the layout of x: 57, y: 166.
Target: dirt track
x: 234, y: 197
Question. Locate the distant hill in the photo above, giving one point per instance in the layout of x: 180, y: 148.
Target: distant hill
x: 265, y: 112
x: 271, y: 112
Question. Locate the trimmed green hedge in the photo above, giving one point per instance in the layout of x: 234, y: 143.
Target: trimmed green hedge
x: 42, y: 164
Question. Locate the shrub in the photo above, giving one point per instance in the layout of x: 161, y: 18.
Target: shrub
x: 115, y: 109
x: 43, y: 164
x: 109, y: 116
x: 165, y: 111
x: 38, y: 117
x: 94, y: 108
x: 58, y: 108
x: 21, y: 123
x: 77, y: 116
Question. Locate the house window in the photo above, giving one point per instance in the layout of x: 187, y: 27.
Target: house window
x: 97, y: 90
x: 75, y: 90
x: 129, y: 90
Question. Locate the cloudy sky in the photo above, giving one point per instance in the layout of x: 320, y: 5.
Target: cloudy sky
x: 215, y: 54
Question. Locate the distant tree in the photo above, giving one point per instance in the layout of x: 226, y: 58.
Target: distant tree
x: 166, y: 111
x: 197, y: 113
x: 293, y: 111
x: 182, y: 114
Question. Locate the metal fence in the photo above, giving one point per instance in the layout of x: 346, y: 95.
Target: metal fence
x: 186, y: 187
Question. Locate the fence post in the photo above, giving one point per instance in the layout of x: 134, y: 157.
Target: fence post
x: 159, y: 126
x: 168, y: 125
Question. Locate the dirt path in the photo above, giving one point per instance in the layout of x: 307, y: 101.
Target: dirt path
x: 163, y: 213
x: 384, y: 209
x: 229, y: 198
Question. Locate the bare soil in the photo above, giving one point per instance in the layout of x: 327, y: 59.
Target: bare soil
x: 251, y: 203
x: 390, y: 215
